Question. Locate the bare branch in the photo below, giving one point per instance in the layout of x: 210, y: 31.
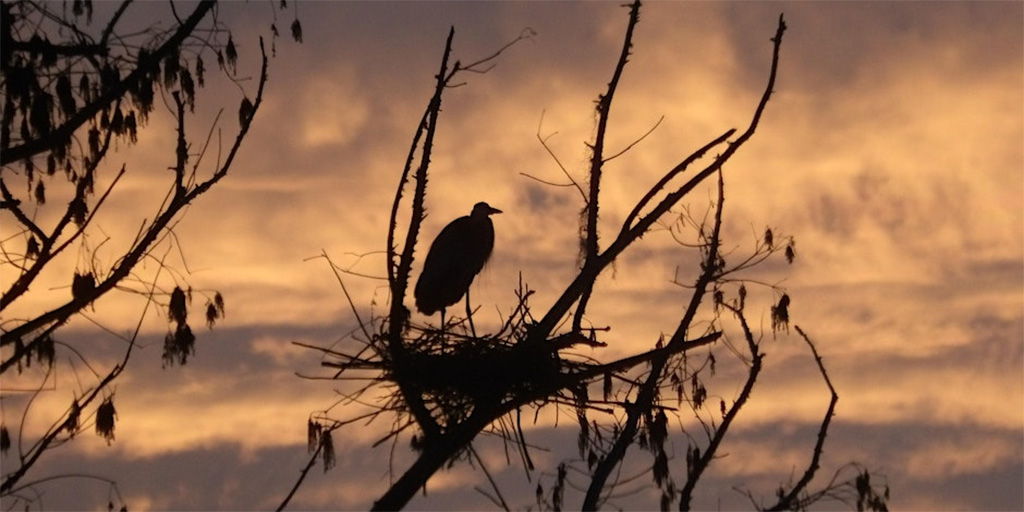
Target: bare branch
x: 787, y: 500
x: 544, y: 143
x: 399, y: 278
x: 145, y: 67
x: 635, y: 142
x: 604, y: 105
x: 487, y: 63
x: 682, y: 166
x: 647, y: 394
x: 696, y: 470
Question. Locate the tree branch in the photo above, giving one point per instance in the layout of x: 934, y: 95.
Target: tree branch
x: 787, y: 501
x: 604, y: 106
x: 62, y: 133
x: 399, y: 284
x: 627, y: 236
x: 702, y: 462
x: 124, y: 266
x: 647, y: 394
x: 70, y: 418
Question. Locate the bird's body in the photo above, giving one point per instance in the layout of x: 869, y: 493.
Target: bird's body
x: 457, y: 255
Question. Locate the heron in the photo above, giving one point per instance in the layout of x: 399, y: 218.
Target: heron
x: 457, y: 255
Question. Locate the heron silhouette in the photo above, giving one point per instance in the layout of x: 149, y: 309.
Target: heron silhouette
x: 457, y: 255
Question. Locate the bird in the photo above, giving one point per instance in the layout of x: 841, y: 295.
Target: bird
x: 455, y: 257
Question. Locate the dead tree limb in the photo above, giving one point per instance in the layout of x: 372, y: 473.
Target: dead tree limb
x: 399, y: 278
x: 647, y: 395
x: 792, y: 498
x: 604, y: 108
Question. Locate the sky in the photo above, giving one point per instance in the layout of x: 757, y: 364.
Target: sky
x: 891, y: 151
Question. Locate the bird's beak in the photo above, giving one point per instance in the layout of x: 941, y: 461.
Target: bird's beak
x: 494, y: 210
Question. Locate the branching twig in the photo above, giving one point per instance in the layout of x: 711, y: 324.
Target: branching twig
x: 648, y: 392
x: 69, y: 420
x: 597, y: 160
x: 635, y: 142
x: 787, y: 500
x: 399, y: 278
x: 704, y: 460
x: 145, y: 67
x: 179, y: 201
x: 544, y: 143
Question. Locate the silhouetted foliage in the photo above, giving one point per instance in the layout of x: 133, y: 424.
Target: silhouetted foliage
x: 5, y: 439
x: 71, y: 91
x: 105, y: 417
x: 868, y: 498
x: 214, y: 309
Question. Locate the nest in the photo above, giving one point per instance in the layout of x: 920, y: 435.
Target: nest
x: 458, y: 373
x: 451, y: 373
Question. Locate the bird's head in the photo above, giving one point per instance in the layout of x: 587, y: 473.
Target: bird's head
x: 483, y: 209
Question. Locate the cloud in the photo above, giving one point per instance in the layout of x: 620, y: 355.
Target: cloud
x: 757, y: 459
x: 334, y: 110
x: 890, y: 150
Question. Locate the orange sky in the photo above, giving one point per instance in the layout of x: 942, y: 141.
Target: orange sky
x: 891, y: 151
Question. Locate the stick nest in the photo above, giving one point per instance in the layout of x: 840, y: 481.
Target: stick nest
x: 457, y: 373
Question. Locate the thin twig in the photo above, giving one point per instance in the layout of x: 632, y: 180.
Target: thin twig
x: 787, y: 500
x: 302, y: 476
x: 544, y: 143
x: 494, y: 485
x: 635, y: 142
x: 591, y: 246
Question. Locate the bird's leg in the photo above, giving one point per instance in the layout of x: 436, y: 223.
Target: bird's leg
x: 469, y: 315
x: 442, y: 321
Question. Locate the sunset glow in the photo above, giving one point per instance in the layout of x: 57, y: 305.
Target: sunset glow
x: 892, y: 152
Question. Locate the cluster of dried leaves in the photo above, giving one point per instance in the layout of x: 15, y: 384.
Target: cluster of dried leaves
x: 72, y: 90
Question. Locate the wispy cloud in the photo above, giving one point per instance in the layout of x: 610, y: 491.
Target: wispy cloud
x: 891, y: 151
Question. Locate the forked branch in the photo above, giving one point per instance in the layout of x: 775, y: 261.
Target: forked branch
x: 604, y: 107
x: 791, y: 498
x: 180, y: 199
x: 398, y: 279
